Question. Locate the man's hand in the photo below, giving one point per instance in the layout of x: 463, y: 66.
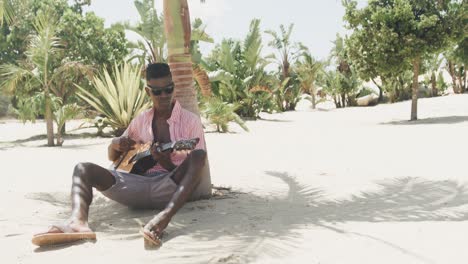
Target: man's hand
x: 164, y: 158
x: 123, y: 144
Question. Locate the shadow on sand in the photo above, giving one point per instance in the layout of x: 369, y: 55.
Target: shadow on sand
x: 250, y: 226
x: 431, y: 121
x: 5, y: 145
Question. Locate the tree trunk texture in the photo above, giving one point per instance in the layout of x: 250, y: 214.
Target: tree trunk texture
x: 414, y: 97
x: 48, y: 119
x: 178, y: 34
x: 461, y: 82
x: 434, y: 85
x: 312, y: 93
x: 453, y: 74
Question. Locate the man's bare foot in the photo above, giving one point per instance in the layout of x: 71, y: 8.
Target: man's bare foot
x: 68, y: 232
x: 153, y: 231
x: 69, y: 226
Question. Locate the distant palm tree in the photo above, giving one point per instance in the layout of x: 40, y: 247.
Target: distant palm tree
x: 434, y: 63
x: 37, y: 70
x: 40, y: 71
x: 308, y: 68
x: 284, y: 46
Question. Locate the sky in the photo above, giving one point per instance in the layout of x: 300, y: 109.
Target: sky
x: 316, y: 22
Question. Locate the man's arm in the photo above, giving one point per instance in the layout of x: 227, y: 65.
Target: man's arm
x: 119, y: 145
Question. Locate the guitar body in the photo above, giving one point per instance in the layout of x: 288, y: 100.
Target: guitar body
x: 127, y: 161
x: 139, y: 159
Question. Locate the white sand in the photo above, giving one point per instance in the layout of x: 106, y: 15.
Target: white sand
x: 357, y: 185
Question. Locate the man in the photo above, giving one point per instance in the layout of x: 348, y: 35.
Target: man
x: 168, y: 185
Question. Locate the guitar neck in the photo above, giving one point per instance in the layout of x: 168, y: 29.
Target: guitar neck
x: 143, y: 154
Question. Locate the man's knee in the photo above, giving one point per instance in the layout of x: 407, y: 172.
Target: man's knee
x: 198, y: 156
x: 83, y: 170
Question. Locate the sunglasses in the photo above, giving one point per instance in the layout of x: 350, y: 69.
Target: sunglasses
x: 158, y: 90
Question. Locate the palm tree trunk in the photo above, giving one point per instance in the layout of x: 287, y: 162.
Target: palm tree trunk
x: 312, y: 93
x: 464, y: 78
x: 178, y: 33
x: 434, y: 84
x: 460, y: 80
x: 451, y: 69
x: 48, y: 119
x: 414, y: 97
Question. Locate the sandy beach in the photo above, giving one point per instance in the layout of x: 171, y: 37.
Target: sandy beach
x: 328, y: 186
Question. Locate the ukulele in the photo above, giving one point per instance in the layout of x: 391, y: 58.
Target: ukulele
x: 139, y: 159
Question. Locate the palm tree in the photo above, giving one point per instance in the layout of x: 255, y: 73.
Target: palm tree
x: 434, y: 64
x: 287, y: 52
x: 37, y: 71
x: 178, y: 37
x: 42, y: 74
x: 340, y: 55
x: 307, y: 69
x: 285, y: 48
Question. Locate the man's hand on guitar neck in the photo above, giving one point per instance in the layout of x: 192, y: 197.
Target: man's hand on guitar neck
x: 120, y: 145
x: 163, y: 158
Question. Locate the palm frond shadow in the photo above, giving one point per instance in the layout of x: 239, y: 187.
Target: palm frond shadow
x: 251, y: 226
x: 272, y: 226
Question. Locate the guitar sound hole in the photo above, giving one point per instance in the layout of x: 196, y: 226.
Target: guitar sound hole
x: 142, y: 165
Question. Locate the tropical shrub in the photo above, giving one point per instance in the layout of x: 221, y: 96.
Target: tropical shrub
x: 237, y: 69
x: 121, y: 96
x: 221, y: 113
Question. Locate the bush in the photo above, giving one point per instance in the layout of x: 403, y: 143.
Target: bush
x: 121, y: 96
x: 221, y: 113
x: 4, y: 103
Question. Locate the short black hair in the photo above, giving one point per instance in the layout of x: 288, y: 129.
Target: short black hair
x: 157, y: 70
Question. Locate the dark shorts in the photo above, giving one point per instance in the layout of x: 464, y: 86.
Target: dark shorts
x: 147, y: 192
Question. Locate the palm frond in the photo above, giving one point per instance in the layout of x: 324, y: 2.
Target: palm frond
x: 221, y: 113
x: 12, y: 76
x: 73, y: 69
x: 45, y: 43
x: 253, y: 45
x: 199, y: 33
x: 65, y: 113
x: 6, y: 11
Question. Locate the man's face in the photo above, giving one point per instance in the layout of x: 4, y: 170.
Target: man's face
x: 161, y: 91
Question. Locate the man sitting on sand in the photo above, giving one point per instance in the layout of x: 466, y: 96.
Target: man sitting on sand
x: 167, y: 185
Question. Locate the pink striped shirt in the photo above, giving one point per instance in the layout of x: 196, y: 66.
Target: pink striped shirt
x: 183, y: 124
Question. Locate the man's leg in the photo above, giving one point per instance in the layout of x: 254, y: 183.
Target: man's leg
x: 187, y: 176
x: 85, y: 177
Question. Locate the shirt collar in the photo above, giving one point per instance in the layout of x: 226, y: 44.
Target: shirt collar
x: 176, y: 112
